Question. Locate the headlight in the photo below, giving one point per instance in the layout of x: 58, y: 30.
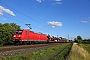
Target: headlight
x: 19, y: 36
x: 14, y: 36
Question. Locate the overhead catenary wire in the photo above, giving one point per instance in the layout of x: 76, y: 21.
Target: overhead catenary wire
x: 31, y: 12
x: 22, y: 6
x: 23, y: 15
x: 22, y: 22
x: 20, y: 13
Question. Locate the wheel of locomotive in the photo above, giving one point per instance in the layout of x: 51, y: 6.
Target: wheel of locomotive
x: 28, y: 42
x: 32, y: 42
x: 25, y: 42
x: 14, y: 43
x: 22, y: 42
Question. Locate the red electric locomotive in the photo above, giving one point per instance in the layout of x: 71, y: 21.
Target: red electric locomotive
x: 27, y: 37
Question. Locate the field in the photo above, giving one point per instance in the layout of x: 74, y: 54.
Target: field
x: 44, y: 54
x: 80, y: 52
x: 86, y: 47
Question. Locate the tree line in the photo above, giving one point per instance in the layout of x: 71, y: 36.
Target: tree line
x: 6, y: 32
x: 79, y: 40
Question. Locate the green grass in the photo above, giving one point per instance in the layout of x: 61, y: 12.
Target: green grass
x: 63, y: 54
x: 86, y: 47
x: 80, y: 52
x: 40, y: 54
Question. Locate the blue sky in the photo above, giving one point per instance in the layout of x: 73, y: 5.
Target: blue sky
x: 54, y: 17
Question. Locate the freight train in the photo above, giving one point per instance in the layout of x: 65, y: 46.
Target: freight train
x: 26, y: 36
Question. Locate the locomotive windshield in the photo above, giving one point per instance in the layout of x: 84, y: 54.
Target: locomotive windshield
x: 18, y: 32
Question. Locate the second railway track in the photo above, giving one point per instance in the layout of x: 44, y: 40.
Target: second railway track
x: 17, y: 50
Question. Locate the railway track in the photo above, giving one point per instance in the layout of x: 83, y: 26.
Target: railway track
x: 8, y: 51
x: 59, y: 52
x: 8, y: 48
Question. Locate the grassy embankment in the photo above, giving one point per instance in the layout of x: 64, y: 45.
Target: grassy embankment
x: 80, y: 52
x: 40, y: 54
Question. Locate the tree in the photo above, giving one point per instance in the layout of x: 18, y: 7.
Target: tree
x: 79, y: 39
x: 75, y: 40
x: 86, y: 41
x: 1, y: 34
x: 6, y: 32
x: 15, y: 26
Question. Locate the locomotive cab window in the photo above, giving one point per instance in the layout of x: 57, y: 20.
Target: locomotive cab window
x: 18, y: 32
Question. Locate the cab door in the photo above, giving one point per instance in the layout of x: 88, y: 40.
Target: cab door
x: 26, y: 35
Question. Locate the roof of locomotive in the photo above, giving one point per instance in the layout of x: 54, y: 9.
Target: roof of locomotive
x: 31, y: 31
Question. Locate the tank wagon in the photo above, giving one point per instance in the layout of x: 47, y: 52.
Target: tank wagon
x: 26, y: 36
